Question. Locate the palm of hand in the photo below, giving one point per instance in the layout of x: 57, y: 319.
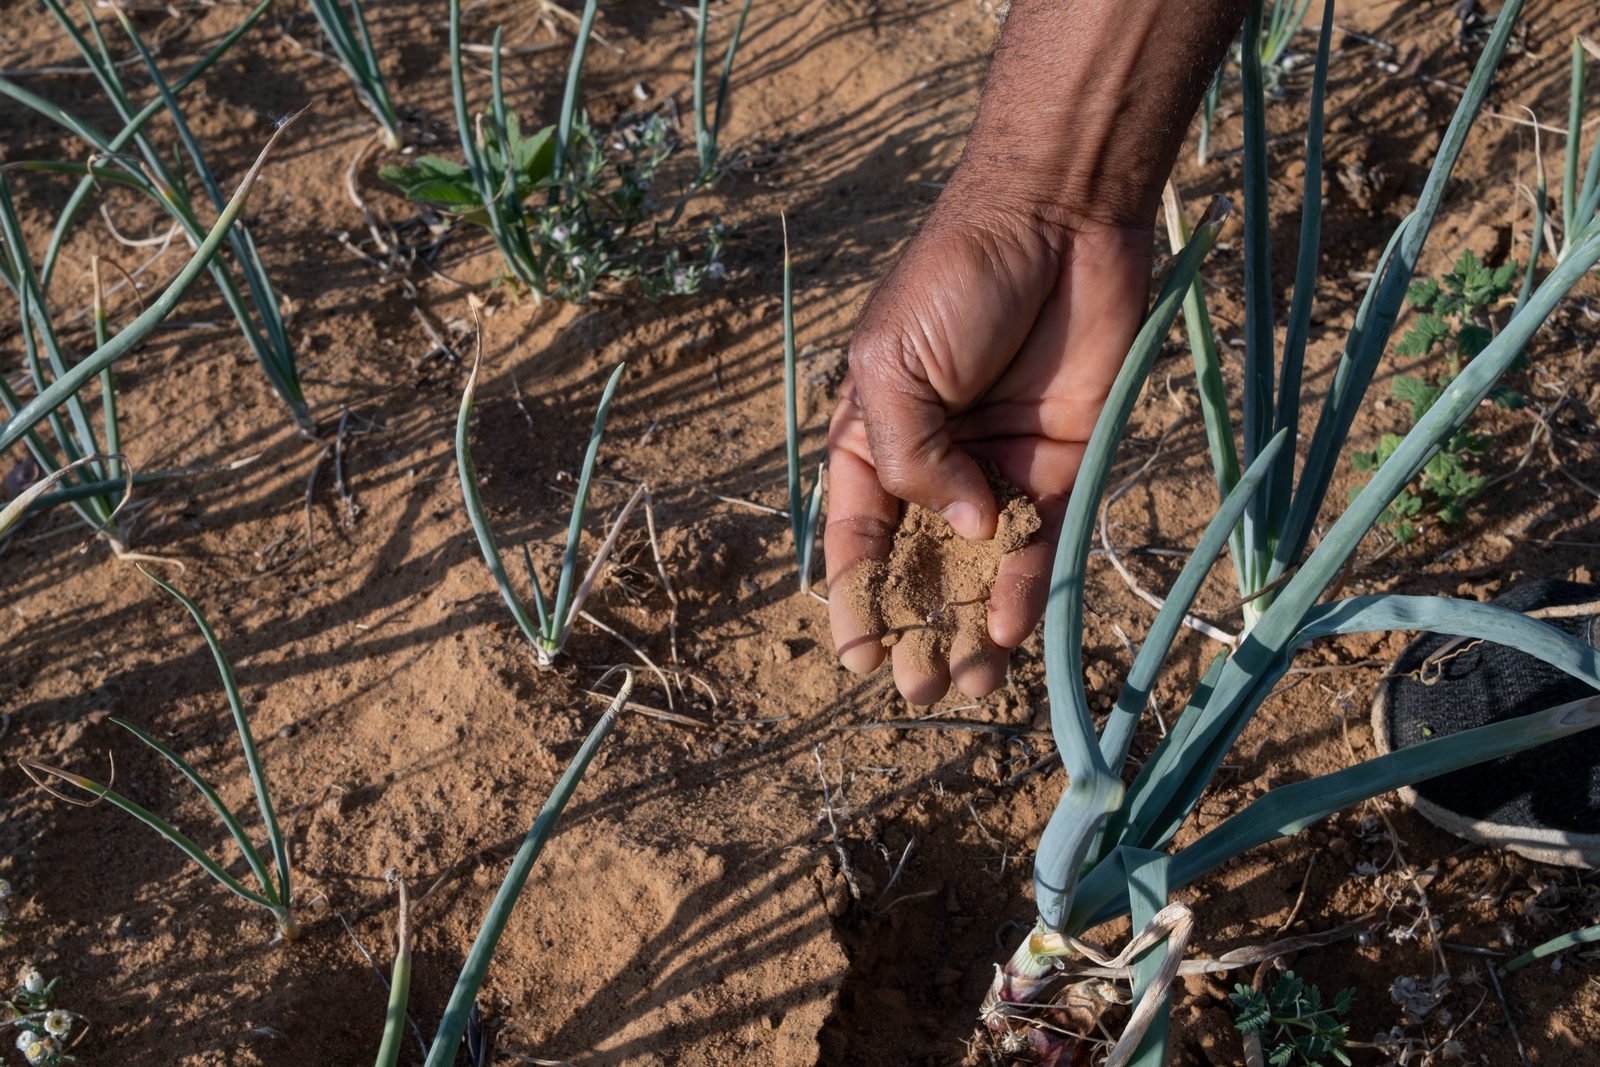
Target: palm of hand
x: 995, y: 340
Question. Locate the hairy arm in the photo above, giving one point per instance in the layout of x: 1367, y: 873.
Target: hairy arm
x: 997, y: 334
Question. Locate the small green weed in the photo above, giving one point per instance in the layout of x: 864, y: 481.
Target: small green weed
x: 1292, y: 1017
x: 1453, y: 315
x: 599, y: 220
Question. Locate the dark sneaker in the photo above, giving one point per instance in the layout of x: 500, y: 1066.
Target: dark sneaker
x: 1543, y: 803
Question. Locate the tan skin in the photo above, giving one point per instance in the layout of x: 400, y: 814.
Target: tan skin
x: 998, y: 333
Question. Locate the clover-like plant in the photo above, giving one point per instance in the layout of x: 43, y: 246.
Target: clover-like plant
x: 1102, y: 854
x: 276, y: 896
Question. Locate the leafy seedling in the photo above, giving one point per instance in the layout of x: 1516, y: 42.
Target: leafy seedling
x: 1295, y: 1028
x: 463, y: 997
x: 599, y: 220
x: 551, y: 622
x: 351, y: 43
x: 1452, y: 315
x: 58, y: 381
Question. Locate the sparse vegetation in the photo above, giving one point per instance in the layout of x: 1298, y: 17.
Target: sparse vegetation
x: 1452, y: 316
x: 1295, y: 1028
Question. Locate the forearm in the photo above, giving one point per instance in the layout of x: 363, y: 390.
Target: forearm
x: 1087, y: 103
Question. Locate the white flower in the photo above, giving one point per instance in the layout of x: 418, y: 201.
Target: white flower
x: 33, y: 1048
x: 576, y: 261
x: 559, y: 233
x: 716, y: 270
x: 58, y: 1023
x: 33, y: 982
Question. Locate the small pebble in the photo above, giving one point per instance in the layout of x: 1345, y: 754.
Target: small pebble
x: 719, y: 748
x: 288, y: 731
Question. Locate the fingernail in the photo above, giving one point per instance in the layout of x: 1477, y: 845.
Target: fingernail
x: 965, y: 518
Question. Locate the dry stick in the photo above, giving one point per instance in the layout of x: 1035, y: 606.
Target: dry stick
x: 1030, y: 769
x: 894, y: 876
x: 440, y: 345
x: 593, y: 573
x: 1005, y: 853
x: 845, y: 868
x: 136, y: 242
x: 516, y: 389
x: 1197, y: 624
x: 384, y: 247
x: 654, y: 713
x: 751, y: 504
x: 661, y: 570
x: 1505, y: 1009
x: 1541, y: 417
x: 942, y: 724
x: 644, y: 657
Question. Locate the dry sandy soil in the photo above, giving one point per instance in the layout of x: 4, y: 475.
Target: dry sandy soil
x: 691, y: 909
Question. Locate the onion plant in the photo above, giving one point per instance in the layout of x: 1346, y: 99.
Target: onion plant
x: 352, y: 48
x: 72, y: 426
x: 1580, y: 201
x: 447, y: 1041
x: 805, y: 509
x: 551, y: 622
x: 1102, y: 852
x: 56, y: 409
x: 706, y: 132
x: 1278, y: 26
x: 165, y: 178
x: 276, y: 896
x: 598, y: 220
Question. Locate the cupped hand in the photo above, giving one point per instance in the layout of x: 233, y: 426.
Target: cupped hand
x: 996, y: 336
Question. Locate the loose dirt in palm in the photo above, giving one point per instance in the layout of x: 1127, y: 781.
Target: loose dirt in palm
x: 932, y: 594
x: 693, y: 908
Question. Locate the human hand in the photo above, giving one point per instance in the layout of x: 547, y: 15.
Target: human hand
x: 995, y: 337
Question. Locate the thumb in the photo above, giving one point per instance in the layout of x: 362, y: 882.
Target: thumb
x: 908, y: 433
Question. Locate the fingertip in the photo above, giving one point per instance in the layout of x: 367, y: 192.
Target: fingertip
x: 1017, y: 600
x: 920, y: 681
x: 977, y: 665
x: 857, y: 641
x: 969, y: 520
